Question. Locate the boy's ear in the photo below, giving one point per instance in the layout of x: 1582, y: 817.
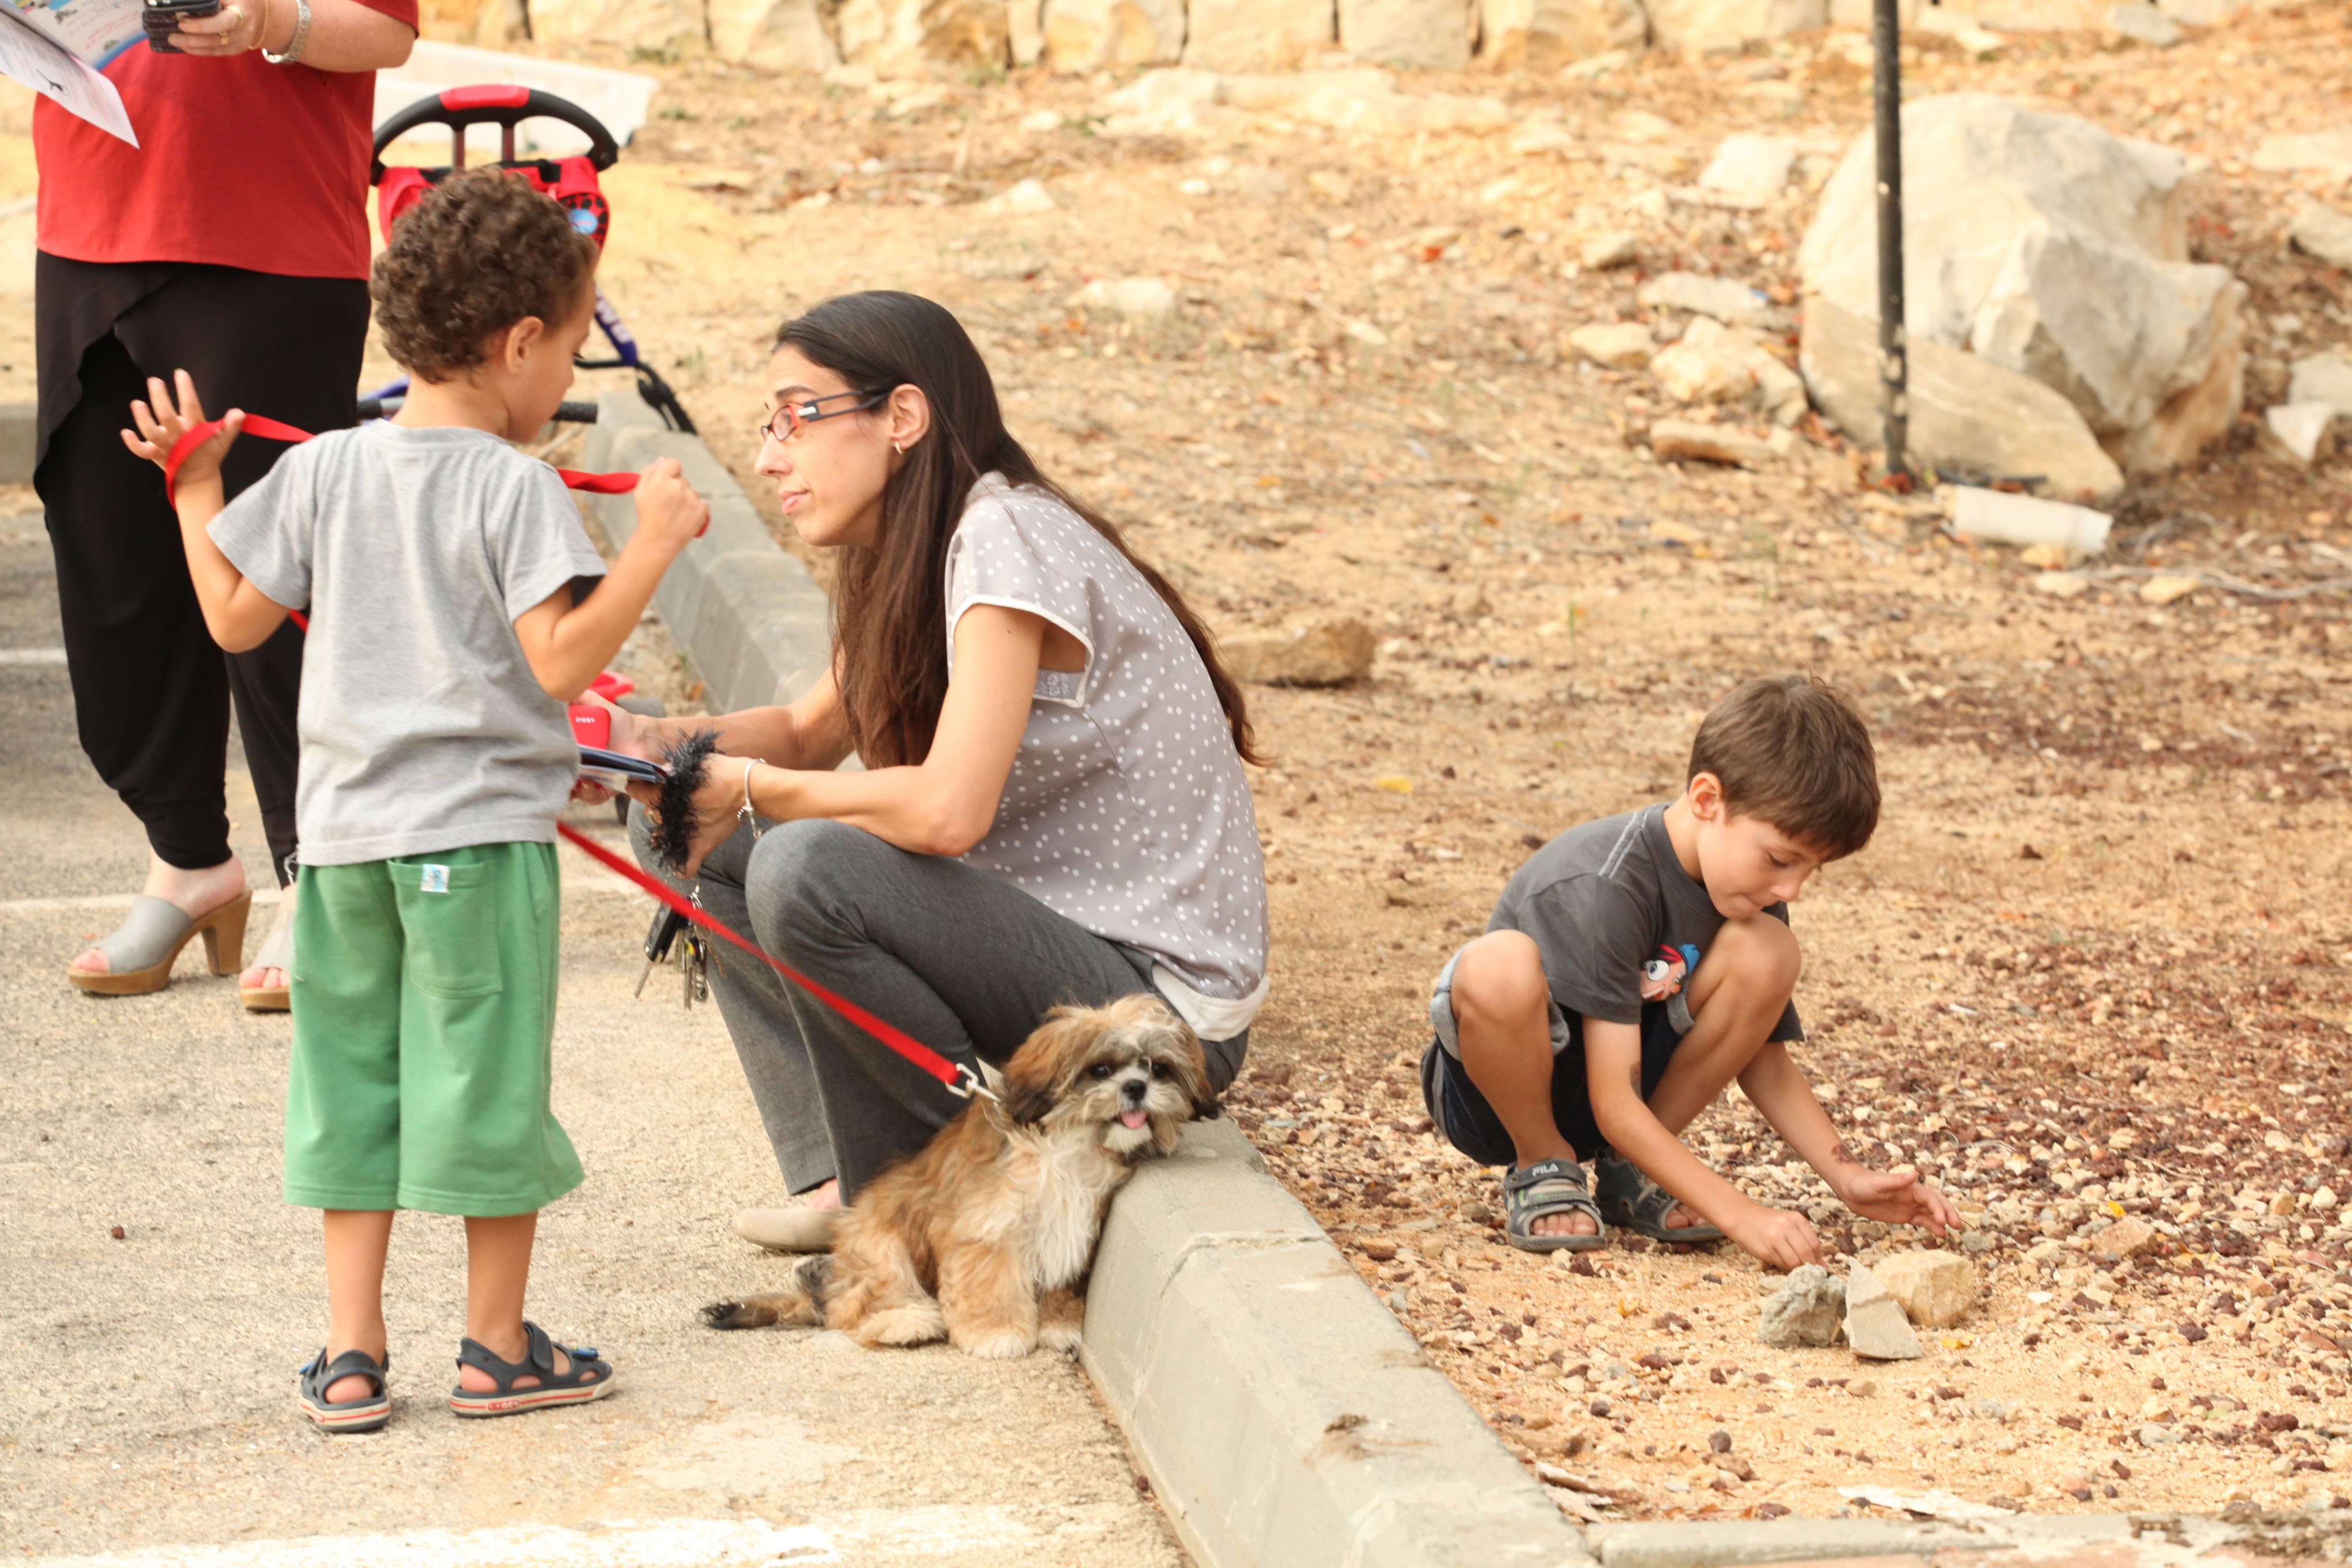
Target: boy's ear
x: 520, y: 339
x: 1705, y: 792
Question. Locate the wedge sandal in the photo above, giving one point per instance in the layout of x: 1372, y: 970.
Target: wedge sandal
x: 140, y: 951
x: 362, y: 1415
x: 1544, y: 1189
x: 589, y: 1377
x: 1631, y: 1201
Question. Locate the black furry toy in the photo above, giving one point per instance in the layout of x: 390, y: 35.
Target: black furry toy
x: 688, y: 762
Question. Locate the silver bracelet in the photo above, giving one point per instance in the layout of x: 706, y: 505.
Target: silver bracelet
x: 293, y: 45
x: 744, y: 814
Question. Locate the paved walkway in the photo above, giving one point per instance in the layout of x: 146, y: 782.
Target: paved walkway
x: 146, y: 1383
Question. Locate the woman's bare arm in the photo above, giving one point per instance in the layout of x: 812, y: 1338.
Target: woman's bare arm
x: 345, y: 35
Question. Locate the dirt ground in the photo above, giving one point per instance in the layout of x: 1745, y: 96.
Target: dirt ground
x: 2094, y: 963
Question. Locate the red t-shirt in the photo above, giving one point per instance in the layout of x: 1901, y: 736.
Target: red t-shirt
x: 240, y: 162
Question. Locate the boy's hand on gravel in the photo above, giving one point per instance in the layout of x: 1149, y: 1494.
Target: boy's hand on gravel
x: 162, y: 423
x: 1899, y: 1197
x: 1779, y: 1238
x: 669, y: 506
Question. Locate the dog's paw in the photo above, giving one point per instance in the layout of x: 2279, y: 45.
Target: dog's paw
x: 739, y: 1315
x: 1059, y: 1336
x: 998, y: 1345
x: 901, y: 1326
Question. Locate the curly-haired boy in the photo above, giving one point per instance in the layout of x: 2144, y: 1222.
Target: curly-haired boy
x: 448, y: 583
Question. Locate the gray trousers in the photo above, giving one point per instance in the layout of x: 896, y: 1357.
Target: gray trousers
x: 963, y: 961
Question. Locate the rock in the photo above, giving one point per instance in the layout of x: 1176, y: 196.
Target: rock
x: 2153, y: 1436
x: 1610, y: 248
x: 1874, y: 1324
x: 1710, y: 25
x: 1545, y: 34
x: 1682, y: 440
x: 1992, y: 1409
x: 1622, y: 346
x: 2131, y: 1236
x: 2323, y: 378
x: 1024, y: 32
x: 2322, y: 231
x: 1136, y: 298
x: 2302, y: 432
x: 2048, y: 247
x: 1027, y: 196
x: 2005, y: 519
x: 1726, y: 298
x: 1329, y: 651
x: 2329, y: 152
x: 1719, y: 364
x: 1935, y: 1290
x: 776, y: 34
x: 2161, y: 591
x: 1430, y: 35
x: 917, y: 38
x: 2144, y: 23
x: 1969, y: 417
x: 2062, y: 585
x: 1175, y: 101
x: 627, y: 23
x: 1085, y: 36
x: 1749, y: 171
x: 2203, y: 13
x: 1858, y: 14
x: 1861, y: 1388
x: 1805, y: 1310
x: 1258, y: 34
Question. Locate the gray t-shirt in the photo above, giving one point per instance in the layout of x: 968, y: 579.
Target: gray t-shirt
x: 1605, y: 900
x: 1127, y: 809
x: 422, y: 726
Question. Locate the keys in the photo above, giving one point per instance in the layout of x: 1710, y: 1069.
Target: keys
x: 659, y: 936
x: 694, y: 968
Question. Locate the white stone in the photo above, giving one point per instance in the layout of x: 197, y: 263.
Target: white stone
x: 1935, y: 1289
x: 1874, y: 1324
x: 1710, y: 24
x: 2203, y: 13
x: 628, y: 24
x: 920, y: 38
x: 2144, y: 23
x: 1621, y: 345
x: 2047, y: 245
x: 1138, y: 298
x: 1028, y: 196
x: 1433, y: 35
x: 2062, y: 585
x: 1725, y: 298
x: 1805, y: 1310
x: 2327, y: 151
x: 778, y: 35
x: 1086, y: 36
x: 1329, y: 651
x: 1546, y: 35
x: 2301, y: 432
x: 1025, y: 29
x: 1749, y: 170
x: 1610, y: 248
x: 1687, y: 440
x: 1258, y: 34
x: 2323, y: 378
x: 2324, y: 232
x: 1969, y: 417
x: 1183, y: 100
x: 1720, y: 364
x: 2003, y: 518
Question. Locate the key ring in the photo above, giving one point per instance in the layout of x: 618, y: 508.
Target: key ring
x: 744, y: 814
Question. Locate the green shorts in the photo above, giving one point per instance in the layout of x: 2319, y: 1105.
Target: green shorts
x: 423, y: 1000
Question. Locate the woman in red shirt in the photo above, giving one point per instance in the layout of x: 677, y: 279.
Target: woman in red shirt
x: 231, y: 243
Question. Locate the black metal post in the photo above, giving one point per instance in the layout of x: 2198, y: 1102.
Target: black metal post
x: 1893, y: 344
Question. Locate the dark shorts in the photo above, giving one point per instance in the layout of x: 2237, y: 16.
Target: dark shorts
x: 1468, y: 1122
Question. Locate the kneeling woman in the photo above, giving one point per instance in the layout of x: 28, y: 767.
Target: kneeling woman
x: 1053, y: 808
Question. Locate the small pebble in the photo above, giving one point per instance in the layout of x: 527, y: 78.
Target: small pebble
x: 116, y: 1232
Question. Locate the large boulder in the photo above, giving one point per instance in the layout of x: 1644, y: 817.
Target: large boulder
x: 1434, y: 35
x: 630, y: 23
x: 923, y: 38
x: 780, y: 34
x: 1258, y: 34
x: 1706, y: 24
x: 2046, y: 246
x: 1545, y: 34
x: 1089, y: 35
x: 1970, y: 419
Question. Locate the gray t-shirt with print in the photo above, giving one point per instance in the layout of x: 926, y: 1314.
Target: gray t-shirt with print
x: 422, y: 725
x: 1127, y: 809
x: 1605, y: 900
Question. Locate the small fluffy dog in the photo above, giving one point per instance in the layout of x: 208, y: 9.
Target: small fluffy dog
x: 984, y: 1238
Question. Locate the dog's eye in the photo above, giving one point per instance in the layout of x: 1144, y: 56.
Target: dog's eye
x: 1162, y: 1070
x: 1100, y: 1069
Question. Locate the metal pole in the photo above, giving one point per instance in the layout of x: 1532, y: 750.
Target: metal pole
x: 1894, y: 347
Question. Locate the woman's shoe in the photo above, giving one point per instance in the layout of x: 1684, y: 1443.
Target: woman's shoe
x: 140, y: 951
x: 590, y: 1376
x: 276, y: 952
x: 800, y: 1229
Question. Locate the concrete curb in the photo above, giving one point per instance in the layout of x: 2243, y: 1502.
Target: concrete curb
x: 2154, y: 1540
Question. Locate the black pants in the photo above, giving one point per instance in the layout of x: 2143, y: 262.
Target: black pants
x: 151, y: 690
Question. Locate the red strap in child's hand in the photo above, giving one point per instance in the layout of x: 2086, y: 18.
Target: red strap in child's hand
x: 278, y: 430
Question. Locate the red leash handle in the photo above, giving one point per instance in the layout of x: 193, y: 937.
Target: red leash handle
x: 278, y: 430
x: 959, y: 1080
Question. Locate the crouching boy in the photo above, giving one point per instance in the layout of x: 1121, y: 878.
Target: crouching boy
x: 1638, y: 965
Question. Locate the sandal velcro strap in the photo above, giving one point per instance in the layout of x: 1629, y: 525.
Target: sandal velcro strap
x: 588, y: 1376
x: 365, y: 1414
x: 1631, y: 1200
x: 1541, y: 1191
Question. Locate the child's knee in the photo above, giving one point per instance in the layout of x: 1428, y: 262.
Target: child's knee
x: 1499, y: 977
x: 1763, y: 953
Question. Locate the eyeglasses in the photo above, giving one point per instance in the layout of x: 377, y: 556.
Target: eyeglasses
x: 785, y: 421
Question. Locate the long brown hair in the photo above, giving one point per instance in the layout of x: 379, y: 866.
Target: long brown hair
x: 890, y: 607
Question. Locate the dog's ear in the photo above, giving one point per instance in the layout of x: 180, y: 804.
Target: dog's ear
x: 1037, y: 1077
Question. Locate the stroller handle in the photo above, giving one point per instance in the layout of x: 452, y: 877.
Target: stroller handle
x: 502, y: 105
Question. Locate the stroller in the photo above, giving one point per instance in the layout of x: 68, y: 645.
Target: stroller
x: 571, y: 183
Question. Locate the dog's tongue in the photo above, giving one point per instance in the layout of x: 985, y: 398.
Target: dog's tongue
x: 1131, y: 1118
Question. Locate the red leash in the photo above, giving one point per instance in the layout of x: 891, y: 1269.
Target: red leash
x: 959, y: 1080
x: 278, y: 430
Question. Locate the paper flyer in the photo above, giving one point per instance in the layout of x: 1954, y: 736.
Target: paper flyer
x: 95, y: 30
x: 33, y: 52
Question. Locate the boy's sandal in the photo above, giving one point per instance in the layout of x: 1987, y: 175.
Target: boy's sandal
x: 1544, y: 1189
x: 1631, y: 1200
x: 140, y: 951
x: 590, y: 1376
x: 276, y: 952
x: 362, y: 1415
